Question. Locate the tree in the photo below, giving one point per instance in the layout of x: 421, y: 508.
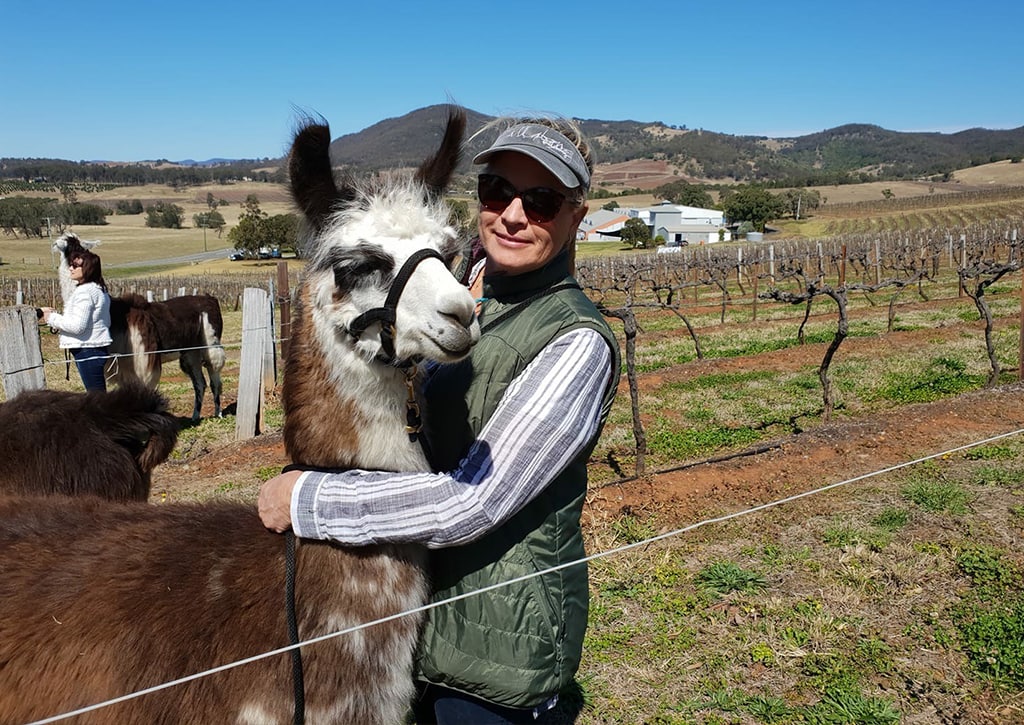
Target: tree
x: 209, y: 220
x: 245, y: 236
x: 800, y: 201
x: 280, y: 231
x: 686, y: 194
x: 165, y: 216
x: 611, y: 205
x: 129, y: 206
x: 635, y: 233
x: 754, y: 204
x: 256, y: 230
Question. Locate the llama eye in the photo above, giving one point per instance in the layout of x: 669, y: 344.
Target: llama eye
x: 361, y: 266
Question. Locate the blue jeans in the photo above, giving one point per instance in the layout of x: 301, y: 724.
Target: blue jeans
x: 441, y: 706
x: 90, y: 362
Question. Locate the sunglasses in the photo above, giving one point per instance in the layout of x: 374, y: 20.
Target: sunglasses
x: 76, y: 265
x: 540, y: 203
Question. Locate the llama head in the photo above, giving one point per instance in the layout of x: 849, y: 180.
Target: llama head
x: 391, y: 235
x: 67, y: 245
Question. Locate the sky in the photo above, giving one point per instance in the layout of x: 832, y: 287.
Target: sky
x: 133, y: 81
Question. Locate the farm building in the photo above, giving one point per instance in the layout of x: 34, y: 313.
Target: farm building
x: 601, y: 225
x: 679, y: 225
x: 676, y: 224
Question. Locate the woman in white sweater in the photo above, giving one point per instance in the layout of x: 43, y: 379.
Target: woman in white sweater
x: 85, y: 325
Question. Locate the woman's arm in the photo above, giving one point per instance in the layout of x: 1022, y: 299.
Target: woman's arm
x: 77, y: 315
x: 549, y: 413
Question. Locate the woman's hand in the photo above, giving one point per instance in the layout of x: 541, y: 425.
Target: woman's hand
x: 46, y: 314
x: 275, y: 501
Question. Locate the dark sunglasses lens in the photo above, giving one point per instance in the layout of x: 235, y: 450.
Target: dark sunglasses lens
x: 542, y: 204
x: 494, y: 192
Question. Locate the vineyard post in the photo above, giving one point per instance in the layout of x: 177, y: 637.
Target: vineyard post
x: 771, y: 263
x: 739, y: 266
x: 754, y: 271
x: 842, y: 267
x: 269, y: 345
x: 878, y: 261
x: 284, y: 299
x: 963, y: 263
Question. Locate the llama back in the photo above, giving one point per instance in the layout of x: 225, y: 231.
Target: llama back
x: 184, y: 320
x: 217, y: 563
x: 106, y: 444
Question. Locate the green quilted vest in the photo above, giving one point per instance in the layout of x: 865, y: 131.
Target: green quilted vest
x: 519, y: 644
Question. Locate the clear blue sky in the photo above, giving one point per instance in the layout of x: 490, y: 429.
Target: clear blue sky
x: 139, y: 80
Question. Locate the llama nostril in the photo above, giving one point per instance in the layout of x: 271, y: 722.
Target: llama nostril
x: 458, y: 319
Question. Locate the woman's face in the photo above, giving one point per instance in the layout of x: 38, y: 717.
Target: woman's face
x: 514, y: 242
x: 75, y: 270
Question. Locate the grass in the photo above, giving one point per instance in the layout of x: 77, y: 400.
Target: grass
x: 820, y: 617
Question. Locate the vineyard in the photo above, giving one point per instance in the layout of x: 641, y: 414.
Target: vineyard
x: 857, y: 605
x: 936, y: 212
x: 7, y: 186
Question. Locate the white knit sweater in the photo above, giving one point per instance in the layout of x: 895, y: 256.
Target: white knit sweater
x: 86, y: 318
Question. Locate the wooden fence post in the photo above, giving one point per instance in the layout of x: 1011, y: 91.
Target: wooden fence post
x: 284, y: 298
x: 255, y: 331
x: 21, y: 353
x: 269, y: 377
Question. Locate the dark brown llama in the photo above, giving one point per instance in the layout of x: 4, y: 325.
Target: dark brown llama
x: 99, y: 600
x: 107, y: 444
x: 191, y: 326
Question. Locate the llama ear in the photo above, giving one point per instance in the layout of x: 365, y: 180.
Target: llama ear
x: 436, y: 171
x: 310, y: 175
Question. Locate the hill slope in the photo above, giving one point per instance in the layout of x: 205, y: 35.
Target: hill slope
x: 854, y: 152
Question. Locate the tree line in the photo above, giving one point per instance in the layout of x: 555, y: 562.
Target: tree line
x: 35, y: 172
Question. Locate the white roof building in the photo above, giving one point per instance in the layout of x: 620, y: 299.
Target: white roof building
x: 679, y: 225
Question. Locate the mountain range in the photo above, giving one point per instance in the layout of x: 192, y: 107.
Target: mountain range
x: 664, y: 153
x: 853, y: 152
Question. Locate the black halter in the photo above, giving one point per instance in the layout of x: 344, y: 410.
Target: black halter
x: 386, y: 315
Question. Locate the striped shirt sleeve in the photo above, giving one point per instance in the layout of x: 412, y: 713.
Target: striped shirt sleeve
x: 547, y: 416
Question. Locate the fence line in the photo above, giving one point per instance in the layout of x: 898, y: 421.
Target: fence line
x: 593, y: 557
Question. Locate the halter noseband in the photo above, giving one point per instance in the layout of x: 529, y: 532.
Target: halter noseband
x: 386, y: 315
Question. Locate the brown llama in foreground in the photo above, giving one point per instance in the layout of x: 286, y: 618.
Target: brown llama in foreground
x: 106, y: 444
x: 98, y: 600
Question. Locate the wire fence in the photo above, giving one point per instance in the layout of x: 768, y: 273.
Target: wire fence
x: 592, y: 557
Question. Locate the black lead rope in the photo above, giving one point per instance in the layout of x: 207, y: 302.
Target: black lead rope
x: 298, y: 680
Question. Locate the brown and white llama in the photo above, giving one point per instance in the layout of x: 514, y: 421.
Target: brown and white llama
x: 99, y: 600
x: 106, y: 444
x: 147, y: 334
